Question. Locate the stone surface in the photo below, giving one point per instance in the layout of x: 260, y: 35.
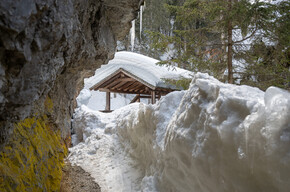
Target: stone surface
x: 48, y: 47
x: 32, y: 158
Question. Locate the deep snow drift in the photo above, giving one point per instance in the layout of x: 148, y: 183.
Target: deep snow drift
x: 212, y: 137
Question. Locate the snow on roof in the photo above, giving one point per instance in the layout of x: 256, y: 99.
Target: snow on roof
x: 140, y: 66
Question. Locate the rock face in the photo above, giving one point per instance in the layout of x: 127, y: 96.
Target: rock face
x: 46, y: 49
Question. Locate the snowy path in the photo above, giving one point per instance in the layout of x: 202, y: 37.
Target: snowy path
x: 104, y: 158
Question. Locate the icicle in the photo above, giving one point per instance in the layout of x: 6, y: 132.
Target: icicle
x: 172, y: 26
x: 141, y: 15
x: 132, y: 33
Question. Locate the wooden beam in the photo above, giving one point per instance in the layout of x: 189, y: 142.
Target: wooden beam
x: 142, y: 90
x: 107, y: 82
x: 137, y: 87
x: 153, y: 97
x: 136, y: 98
x: 120, y: 74
x: 108, y: 101
x: 109, y: 86
x: 118, y: 81
x: 105, y: 111
x: 130, y: 86
x: 162, y: 93
x: 145, y: 96
x: 118, y: 91
x: 145, y: 90
x: 126, y: 85
x: 104, y: 90
x: 120, y: 84
x: 127, y: 79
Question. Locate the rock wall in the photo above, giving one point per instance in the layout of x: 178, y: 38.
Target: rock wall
x: 46, y: 49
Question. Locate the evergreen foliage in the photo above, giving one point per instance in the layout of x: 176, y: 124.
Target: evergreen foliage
x: 267, y: 60
x: 249, y: 40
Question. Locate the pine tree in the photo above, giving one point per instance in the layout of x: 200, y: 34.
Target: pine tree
x: 210, y: 33
x: 268, y: 58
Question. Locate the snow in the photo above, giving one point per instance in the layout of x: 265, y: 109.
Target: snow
x: 101, y: 154
x: 84, y: 97
x: 142, y: 67
x: 212, y: 137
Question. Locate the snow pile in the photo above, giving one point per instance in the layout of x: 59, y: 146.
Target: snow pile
x: 84, y: 97
x: 213, y: 137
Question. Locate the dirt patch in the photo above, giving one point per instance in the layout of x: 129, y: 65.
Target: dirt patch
x: 75, y: 179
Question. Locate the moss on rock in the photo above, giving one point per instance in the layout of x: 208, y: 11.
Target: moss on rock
x: 32, y: 160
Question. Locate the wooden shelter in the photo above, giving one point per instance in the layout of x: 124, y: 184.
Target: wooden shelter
x: 133, y: 73
x: 125, y: 82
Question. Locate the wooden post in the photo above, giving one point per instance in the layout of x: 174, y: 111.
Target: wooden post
x: 108, y: 101
x: 136, y: 98
x: 153, y: 97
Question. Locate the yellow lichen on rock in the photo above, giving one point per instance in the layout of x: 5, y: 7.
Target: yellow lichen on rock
x: 48, y: 104
x: 32, y: 160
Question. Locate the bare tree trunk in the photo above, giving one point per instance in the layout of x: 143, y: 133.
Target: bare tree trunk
x: 230, y: 45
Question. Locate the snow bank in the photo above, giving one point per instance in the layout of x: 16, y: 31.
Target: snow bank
x: 97, y: 149
x: 213, y: 137
x: 84, y: 97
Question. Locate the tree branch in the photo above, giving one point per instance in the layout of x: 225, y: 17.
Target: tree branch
x: 253, y: 33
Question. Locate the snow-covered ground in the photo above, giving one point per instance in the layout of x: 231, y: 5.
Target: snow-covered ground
x: 212, y: 137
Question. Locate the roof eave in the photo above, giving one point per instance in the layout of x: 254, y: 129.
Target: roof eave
x: 97, y: 86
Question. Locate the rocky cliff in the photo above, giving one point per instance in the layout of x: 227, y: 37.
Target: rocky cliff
x: 46, y: 49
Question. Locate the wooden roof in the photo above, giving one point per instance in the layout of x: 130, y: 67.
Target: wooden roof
x: 123, y: 81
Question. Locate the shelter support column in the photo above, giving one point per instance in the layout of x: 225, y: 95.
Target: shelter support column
x: 108, y: 101
x: 136, y: 99
x: 153, y: 97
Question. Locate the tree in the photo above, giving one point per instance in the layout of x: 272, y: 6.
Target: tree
x: 210, y: 33
x: 267, y: 59
x: 155, y: 18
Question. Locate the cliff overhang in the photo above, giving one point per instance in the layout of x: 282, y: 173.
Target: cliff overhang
x: 47, y: 48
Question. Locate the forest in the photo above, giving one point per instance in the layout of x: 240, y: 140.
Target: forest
x: 240, y: 42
